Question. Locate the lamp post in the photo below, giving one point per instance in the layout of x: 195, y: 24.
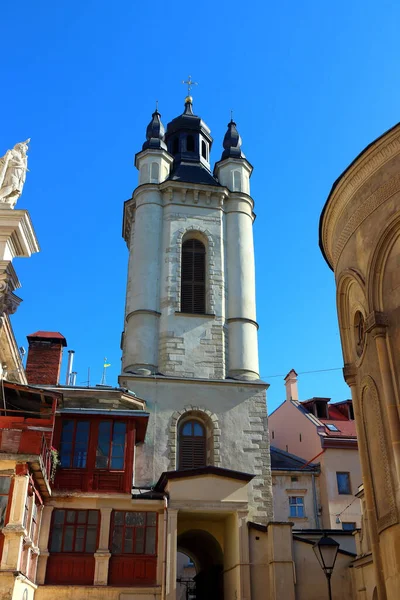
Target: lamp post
x: 326, y: 550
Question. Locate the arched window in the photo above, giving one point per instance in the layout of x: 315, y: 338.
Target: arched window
x: 175, y: 146
x: 204, y: 150
x: 190, y: 143
x: 193, y: 296
x: 192, y: 445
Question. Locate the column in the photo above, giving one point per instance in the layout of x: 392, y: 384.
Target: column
x: 280, y: 558
x: 244, y: 557
x: 102, y: 555
x: 241, y: 308
x: 349, y: 373
x: 143, y: 289
x: 172, y: 537
x: 44, y: 544
x: 15, y: 530
x: 376, y: 324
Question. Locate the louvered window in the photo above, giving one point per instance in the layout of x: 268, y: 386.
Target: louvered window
x: 193, y: 296
x: 192, y: 445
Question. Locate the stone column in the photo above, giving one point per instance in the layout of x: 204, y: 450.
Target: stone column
x: 349, y: 373
x: 241, y: 309
x: 15, y: 530
x: 44, y: 544
x: 102, y: 555
x: 280, y: 559
x: 143, y: 290
x: 172, y: 537
x: 244, y: 557
x: 377, y: 325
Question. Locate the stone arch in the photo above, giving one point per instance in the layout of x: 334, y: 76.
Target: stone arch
x: 350, y: 299
x: 377, y: 264
x: 374, y: 430
x: 213, y: 432
x: 204, y: 236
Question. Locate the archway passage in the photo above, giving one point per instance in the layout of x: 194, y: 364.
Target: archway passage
x: 207, y: 556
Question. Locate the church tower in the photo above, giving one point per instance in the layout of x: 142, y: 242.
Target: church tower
x: 190, y: 334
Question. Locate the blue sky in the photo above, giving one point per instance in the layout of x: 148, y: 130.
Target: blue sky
x: 311, y: 84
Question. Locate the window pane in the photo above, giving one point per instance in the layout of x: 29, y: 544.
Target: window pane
x: 119, y: 517
x: 300, y: 511
x: 82, y: 516
x: 292, y: 511
x: 116, y: 546
x: 81, y: 444
x: 135, y: 518
x: 93, y: 517
x: 56, y: 539
x: 198, y: 429
x: 79, y: 545
x: 139, y: 541
x: 151, y: 540
x: 68, y: 538
x: 71, y: 516
x: 103, y: 445
x: 187, y: 429
x: 4, y: 485
x: 151, y: 518
x: 3, y: 508
x: 80, y: 532
x: 91, y: 539
x: 65, y: 455
x: 67, y: 432
x: 343, y: 481
x: 128, y: 544
x: 117, y: 463
x: 59, y: 516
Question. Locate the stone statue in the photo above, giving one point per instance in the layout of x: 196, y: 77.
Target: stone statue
x: 13, y: 168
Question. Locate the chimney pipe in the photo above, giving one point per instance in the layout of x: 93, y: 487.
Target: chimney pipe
x: 73, y: 377
x: 291, y: 386
x: 69, y: 367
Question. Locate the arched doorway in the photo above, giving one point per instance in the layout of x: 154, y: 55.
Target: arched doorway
x: 207, y: 556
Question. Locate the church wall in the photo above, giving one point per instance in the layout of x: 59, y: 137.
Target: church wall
x: 242, y: 430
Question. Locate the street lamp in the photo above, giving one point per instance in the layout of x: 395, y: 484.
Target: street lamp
x: 326, y: 550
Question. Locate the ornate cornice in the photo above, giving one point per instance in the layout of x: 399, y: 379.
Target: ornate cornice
x: 366, y: 164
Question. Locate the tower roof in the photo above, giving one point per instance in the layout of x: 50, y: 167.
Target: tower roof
x: 232, y: 143
x: 189, y: 141
x: 155, y: 133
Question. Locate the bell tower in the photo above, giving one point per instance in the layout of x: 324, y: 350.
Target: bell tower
x: 190, y: 305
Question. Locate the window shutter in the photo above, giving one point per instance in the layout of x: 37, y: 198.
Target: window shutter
x: 193, y: 297
x: 192, y: 450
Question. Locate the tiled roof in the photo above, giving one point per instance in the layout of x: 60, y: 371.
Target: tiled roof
x: 284, y: 461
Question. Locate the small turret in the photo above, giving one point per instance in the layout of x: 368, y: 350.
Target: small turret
x: 233, y: 170
x: 154, y: 162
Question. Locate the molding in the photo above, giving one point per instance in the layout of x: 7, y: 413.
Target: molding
x: 371, y: 159
x: 243, y: 320
x: 142, y: 311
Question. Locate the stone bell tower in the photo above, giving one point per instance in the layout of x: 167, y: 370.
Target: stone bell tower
x: 190, y: 305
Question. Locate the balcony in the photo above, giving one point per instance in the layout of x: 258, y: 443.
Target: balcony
x: 27, y: 417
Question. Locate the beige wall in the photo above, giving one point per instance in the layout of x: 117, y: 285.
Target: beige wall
x: 335, y: 460
x: 283, y: 487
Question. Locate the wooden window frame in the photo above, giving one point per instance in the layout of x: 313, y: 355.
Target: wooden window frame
x: 75, y: 524
x: 110, y: 448
x: 76, y: 422
x: 183, y: 461
x: 134, y: 528
x: 192, y: 281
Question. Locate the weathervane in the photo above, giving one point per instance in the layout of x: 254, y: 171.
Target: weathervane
x: 190, y: 84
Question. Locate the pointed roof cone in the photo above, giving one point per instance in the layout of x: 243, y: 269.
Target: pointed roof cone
x: 232, y: 143
x: 155, y: 133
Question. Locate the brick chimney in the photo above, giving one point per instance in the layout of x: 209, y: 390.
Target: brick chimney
x: 44, y: 357
x: 291, y: 386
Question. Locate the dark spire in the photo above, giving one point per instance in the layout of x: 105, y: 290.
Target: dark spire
x: 155, y: 133
x: 232, y: 143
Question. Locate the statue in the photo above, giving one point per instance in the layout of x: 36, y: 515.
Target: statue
x: 13, y: 168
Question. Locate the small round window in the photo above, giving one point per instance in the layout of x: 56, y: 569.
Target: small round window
x: 359, y: 332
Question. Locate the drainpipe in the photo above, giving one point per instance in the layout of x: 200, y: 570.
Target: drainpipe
x: 164, y: 569
x: 315, y: 501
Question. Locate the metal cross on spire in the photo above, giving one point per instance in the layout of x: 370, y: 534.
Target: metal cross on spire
x: 190, y: 84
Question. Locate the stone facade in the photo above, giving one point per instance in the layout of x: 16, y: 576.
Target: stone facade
x: 360, y: 238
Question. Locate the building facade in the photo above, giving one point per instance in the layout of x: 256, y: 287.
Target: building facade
x: 360, y: 239
x: 319, y: 431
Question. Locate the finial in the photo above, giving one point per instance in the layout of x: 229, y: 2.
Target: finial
x: 190, y: 83
x: 231, y: 116
x: 156, y: 105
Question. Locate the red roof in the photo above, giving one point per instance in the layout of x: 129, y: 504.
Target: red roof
x: 48, y: 335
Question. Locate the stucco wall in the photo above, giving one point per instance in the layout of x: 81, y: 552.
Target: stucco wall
x: 243, y: 443
x: 283, y: 487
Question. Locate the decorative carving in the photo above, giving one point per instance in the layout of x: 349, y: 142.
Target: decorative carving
x: 359, y: 332
x: 381, y: 476
x: 376, y: 321
x: 9, y: 302
x: 13, y: 168
x: 354, y: 178
x: 209, y: 419
x: 368, y: 206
